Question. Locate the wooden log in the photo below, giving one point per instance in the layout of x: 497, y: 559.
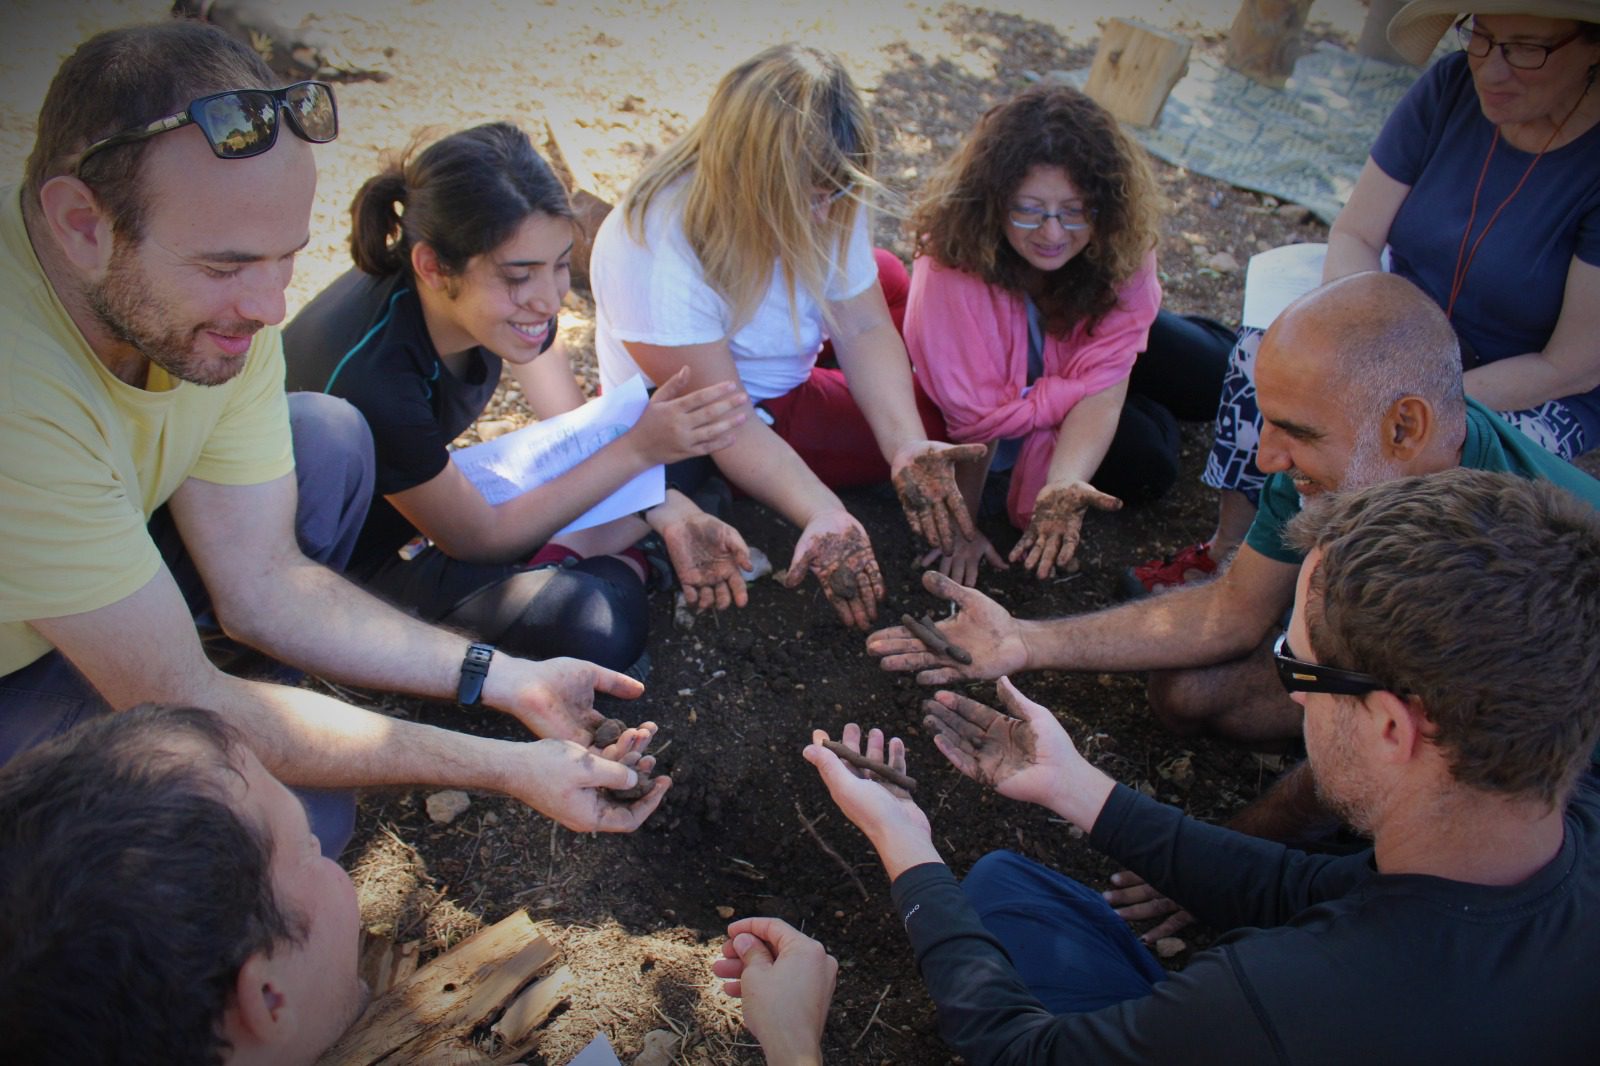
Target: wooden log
x: 384, y: 963
x: 1135, y: 68
x: 1265, y: 39
x: 432, y: 1016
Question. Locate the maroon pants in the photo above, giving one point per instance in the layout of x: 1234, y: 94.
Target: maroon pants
x: 820, y: 420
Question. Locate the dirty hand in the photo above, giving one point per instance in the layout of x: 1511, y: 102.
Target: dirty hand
x: 981, y: 626
x: 834, y: 547
x: 1135, y: 900
x: 886, y: 813
x: 1024, y: 755
x: 924, y: 477
x: 786, y: 980
x: 964, y: 563
x: 554, y: 698
x: 707, y: 555
x: 562, y: 781
x: 1051, y: 539
x: 679, y: 424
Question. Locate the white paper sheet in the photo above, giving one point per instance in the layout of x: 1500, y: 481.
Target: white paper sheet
x: 523, y: 459
x: 1277, y: 278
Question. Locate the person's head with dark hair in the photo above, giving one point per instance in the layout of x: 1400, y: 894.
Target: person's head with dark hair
x: 483, y: 226
x: 162, y: 900
x: 1359, y: 381
x: 168, y: 237
x: 120, y: 80
x: 1047, y: 196
x: 1472, y: 599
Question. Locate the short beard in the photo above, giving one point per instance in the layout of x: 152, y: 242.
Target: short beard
x: 124, y: 306
x: 1368, y: 466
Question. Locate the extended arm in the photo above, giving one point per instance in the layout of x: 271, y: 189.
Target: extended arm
x: 677, y: 424
x: 144, y: 648
x: 1357, y: 237
x: 1056, y: 527
x: 270, y: 596
x: 1188, y: 627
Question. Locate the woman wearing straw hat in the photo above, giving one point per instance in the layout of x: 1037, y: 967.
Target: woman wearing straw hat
x: 1484, y: 186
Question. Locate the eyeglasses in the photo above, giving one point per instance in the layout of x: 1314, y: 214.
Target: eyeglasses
x: 1520, y: 54
x: 241, y: 123
x: 1297, y: 675
x: 1070, y: 219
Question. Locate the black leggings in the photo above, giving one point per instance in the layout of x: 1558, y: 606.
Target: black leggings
x: 594, y: 609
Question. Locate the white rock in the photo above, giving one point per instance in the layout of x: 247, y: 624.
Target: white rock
x: 445, y: 807
x: 1169, y: 946
x: 659, y: 1044
x: 760, y: 566
x: 1223, y: 263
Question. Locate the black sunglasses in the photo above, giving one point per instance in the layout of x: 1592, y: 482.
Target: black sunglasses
x: 1298, y: 675
x: 241, y: 123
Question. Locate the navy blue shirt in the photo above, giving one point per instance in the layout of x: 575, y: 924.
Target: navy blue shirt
x: 1436, y: 142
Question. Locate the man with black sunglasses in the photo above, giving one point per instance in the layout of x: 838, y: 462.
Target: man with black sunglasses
x: 149, y: 476
x: 1445, y: 645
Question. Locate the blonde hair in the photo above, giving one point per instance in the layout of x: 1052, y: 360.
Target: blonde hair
x: 780, y: 126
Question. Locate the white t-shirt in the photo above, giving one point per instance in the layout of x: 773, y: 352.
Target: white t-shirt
x: 656, y: 293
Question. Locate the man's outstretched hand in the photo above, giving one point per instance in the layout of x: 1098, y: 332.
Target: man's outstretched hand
x: 981, y: 627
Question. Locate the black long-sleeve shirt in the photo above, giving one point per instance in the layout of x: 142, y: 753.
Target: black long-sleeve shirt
x: 1329, y: 961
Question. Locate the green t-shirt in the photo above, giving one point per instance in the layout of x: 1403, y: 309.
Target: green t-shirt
x: 1492, y: 444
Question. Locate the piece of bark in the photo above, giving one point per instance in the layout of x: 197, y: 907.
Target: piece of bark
x: 883, y: 770
x: 432, y: 1016
x: 923, y: 629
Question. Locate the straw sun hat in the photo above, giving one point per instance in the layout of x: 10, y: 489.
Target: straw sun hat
x: 1417, y: 28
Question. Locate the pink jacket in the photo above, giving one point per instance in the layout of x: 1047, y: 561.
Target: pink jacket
x: 969, y: 344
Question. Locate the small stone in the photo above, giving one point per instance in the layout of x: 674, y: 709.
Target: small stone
x: 490, y: 428
x: 724, y: 913
x: 1296, y: 213
x: 491, y: 818
x: 1223, y: 263
x: 659, y: 1045
x: 1169, y: 946
x: 694, y: 716
x: 686, y: 692
x: 683, y: 615
x: 445, y: 807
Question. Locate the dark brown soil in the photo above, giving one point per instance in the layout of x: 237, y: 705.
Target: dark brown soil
x: 641, y: 917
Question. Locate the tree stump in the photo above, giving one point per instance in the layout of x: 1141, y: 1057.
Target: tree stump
x: 1134, y: 69
x: 1374, y: 40
x: 1265, y: 39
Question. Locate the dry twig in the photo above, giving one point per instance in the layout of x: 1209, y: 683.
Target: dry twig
x: 828, y: 850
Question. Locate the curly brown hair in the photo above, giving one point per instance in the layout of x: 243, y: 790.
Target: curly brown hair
x: 960, y: 218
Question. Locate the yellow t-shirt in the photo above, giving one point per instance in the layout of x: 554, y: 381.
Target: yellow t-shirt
x: 85, y: 458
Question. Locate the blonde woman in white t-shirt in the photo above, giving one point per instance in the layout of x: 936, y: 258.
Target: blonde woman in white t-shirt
x: 737, y: 253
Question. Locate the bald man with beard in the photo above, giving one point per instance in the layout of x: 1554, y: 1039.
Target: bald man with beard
x: 1359, y: 383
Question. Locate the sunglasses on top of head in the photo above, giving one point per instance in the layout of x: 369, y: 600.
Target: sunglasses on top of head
x: 241, y: 123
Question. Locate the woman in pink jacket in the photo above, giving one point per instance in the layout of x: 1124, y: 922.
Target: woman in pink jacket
x: 1034, y: 293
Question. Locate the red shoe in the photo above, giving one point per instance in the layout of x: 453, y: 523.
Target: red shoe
x: 1191, y: 564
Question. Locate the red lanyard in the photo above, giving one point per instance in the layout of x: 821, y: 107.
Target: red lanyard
x: 1463, y: 256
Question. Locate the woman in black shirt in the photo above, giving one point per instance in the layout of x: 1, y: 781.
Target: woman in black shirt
x: 461, y: 256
